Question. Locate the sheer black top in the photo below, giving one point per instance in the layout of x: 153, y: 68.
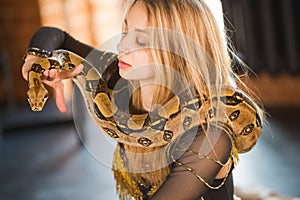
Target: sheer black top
x: 181, y: 184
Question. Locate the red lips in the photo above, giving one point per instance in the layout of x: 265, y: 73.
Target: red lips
x: 123, y: 65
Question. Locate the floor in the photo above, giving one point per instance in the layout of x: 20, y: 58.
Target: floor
x: 50, y: 161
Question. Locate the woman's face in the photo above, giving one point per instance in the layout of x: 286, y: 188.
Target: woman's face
x: 135, y: 62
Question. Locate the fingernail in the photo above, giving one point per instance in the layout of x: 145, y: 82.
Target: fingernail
x: 80, y: 66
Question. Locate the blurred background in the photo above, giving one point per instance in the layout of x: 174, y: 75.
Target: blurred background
x: 47, y: 156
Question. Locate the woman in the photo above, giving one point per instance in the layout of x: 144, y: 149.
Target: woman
x: 177, y: 71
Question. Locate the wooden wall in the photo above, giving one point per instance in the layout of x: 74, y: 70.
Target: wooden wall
x: 91, y: 21
x: 281, y: 90
x: 18, y: 20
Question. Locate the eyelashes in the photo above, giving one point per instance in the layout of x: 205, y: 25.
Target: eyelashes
x: 140, y: 40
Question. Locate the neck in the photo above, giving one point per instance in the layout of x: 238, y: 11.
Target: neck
x: 147, y: 91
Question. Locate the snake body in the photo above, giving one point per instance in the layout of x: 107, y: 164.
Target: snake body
x: 158, y: 128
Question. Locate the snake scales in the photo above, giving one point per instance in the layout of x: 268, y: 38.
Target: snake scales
x: 158, y: 128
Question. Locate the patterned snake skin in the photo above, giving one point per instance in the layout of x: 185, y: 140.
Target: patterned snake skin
x: 161, y: 126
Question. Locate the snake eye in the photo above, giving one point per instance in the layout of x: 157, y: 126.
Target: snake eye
x: 28, y: 99
x: 46, y: 97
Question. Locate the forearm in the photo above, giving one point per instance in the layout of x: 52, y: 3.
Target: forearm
x: 50, y: 38
x: 195, y: 171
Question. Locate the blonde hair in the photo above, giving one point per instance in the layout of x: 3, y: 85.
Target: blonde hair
x: 186, y: 38
x: 188, y: 50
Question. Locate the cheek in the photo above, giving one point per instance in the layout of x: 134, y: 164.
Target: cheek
x: 141, y: 57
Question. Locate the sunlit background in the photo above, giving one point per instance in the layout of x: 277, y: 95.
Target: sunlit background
x: 48, y: 156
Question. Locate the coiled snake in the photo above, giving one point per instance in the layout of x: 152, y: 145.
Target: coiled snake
x: 158, y: 128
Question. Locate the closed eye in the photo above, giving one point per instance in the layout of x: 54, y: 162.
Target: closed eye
x: 142, y: 39
x: 141, y: 42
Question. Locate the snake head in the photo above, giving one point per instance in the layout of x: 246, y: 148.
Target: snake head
x: 37, y: 98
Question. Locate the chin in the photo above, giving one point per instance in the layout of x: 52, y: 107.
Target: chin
x: 135, y: 75
x: 123, y: 74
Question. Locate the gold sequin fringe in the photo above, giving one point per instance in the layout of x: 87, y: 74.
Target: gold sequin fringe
x: 126, y: 188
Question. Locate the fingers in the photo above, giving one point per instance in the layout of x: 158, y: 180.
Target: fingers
x: 53, y: 75
x: 29, y: 60
x: 71, y: 73
x: 49, y: 75
x: 58, y: 87
x: 25, y: 71
x: 54, y: 79
x: 77, y: 69
x: 60, y: 98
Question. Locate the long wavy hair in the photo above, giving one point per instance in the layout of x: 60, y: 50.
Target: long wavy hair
x: 188, y: 49
x: 186, y: 39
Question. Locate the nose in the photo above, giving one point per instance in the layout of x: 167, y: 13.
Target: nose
x: 123, y: 46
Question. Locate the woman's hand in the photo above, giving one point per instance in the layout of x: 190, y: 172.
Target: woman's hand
x: 52, y: 78
x: 29, y: 60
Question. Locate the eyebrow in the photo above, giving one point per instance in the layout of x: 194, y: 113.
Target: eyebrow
x: 136, y: 29
x: 141, y: 30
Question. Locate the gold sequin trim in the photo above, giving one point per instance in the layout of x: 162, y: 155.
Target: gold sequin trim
x: 199, y: 177
x: 207, y: 157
